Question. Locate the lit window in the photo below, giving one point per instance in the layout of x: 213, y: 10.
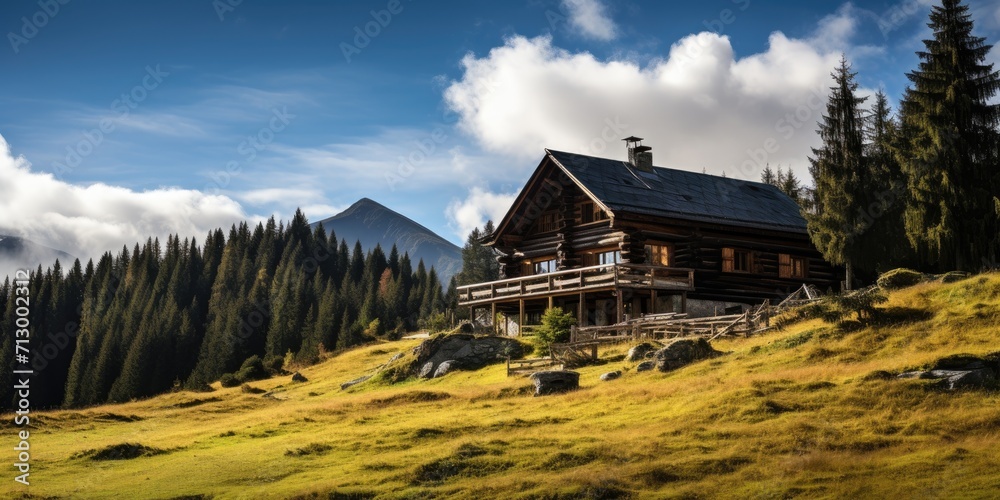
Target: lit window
x: 659, y: 255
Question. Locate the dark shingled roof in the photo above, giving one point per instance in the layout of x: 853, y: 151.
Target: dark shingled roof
x: 680, y: 194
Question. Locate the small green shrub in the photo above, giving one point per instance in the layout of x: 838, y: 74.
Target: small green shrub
x: 555, y: 328
x: 252, y: 369
x: 273, y: 364
x: 899, y: 278
x: 437, y: 322
x: 229, y: 380
x: 862, y: 302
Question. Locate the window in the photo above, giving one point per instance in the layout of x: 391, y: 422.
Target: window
x: 609, y: 257
x: 547, y: 222
x: 544, y: 266
x: 792, y: 267
x: 660, y: 255
x: 591, y: 213
x: 736, y: 261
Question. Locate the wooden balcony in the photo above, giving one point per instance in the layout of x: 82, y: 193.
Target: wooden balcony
x: 584, y: 279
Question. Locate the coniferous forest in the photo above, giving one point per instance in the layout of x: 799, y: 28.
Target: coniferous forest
x: 921, y: 188
x: 184, y: 314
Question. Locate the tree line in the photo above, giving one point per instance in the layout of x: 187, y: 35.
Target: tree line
x: 920, y: 188
x: 154, y: 318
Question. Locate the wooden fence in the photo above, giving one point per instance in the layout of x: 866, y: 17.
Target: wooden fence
x: 667, y: 326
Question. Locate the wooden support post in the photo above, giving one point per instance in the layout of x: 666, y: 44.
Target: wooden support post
x: 472, y: 315
x: 493, y: 316
x: 581, y: 311
x: 551, y: 302
x: 520, y: 317
x: 652, y: 302
x: 620, y: 308
x: 593, y: 352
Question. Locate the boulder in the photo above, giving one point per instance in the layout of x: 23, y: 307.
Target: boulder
x: 965, y: 379
x: 354, y: 382
x: 956, y: 379
x: 444, y: 368
x: 611, y: 375
x: 645, y: 366
x: 682, y: 352
x: 427, y: 370
x: 463, y: 351
x: 640, y: 352
x: 298, y: 377
x: 960, y: 362
x: 555, y: 381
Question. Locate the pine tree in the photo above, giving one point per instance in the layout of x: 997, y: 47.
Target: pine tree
x: 767, y: 176
x: 479, y: 262
x: 837, y: 168
x: 950, y: 157
x: 883, y: 216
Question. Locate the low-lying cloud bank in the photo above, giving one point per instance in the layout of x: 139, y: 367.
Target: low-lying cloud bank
x: 86, y: 221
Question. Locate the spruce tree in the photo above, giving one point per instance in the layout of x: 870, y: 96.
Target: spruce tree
x: 838, y: 171
x: 950, y: 157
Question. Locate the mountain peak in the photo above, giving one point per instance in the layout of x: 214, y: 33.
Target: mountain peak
x: 371, y: 223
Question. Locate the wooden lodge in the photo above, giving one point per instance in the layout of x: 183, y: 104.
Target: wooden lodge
x: 608, y: 240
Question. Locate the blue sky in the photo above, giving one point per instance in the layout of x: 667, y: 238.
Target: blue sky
x: 127, y: 118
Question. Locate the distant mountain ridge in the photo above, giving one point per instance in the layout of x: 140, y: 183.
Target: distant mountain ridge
x: 372, y: 223
x: 19, y: 253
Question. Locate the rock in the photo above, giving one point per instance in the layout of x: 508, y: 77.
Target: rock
x: 298, y: 377
x: 555, y: 381
x: 444, y: 368
x: 611, y: 375
x: 640, y: 352
x: 354, y: 382
x: 952, y: 380
x: 466, y: 352
x: 645, y: 366
x: 395, y: 357
x: 426, y: 371
x: 682, y: 352
x: 953, y: 276
x: 956, y: 379
x: 960, y: 362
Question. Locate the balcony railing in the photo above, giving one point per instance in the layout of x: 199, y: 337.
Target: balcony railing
x: 600, y: 277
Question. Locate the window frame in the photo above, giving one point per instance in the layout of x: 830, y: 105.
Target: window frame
x: 732, y: 255
x: 666, y: 250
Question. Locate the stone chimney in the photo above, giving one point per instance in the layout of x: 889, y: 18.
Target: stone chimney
x: 641, y: 157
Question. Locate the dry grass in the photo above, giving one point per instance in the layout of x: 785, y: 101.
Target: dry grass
x: 795, y: 412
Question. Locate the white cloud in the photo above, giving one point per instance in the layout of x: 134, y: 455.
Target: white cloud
x: 478, y: 206
x: 699, y: 108
x: 88, y: 220
x: 591, y: 18
x: 294, y: 196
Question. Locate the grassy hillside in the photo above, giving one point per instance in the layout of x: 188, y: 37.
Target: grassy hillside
x: 794, y: 412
